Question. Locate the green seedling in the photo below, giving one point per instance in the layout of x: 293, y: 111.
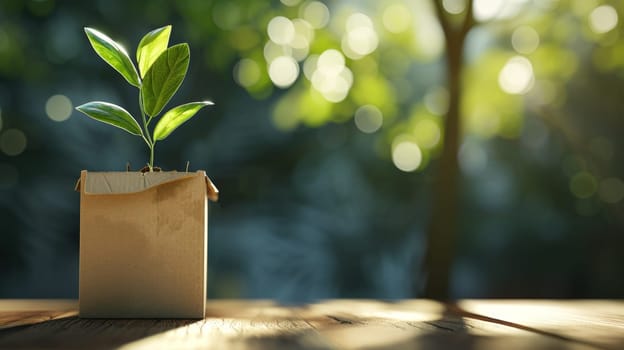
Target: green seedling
x: 161, y: 70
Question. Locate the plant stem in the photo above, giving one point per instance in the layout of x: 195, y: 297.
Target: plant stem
x: 150, y: 142
x: 144, y: 139
x: 151, y: 163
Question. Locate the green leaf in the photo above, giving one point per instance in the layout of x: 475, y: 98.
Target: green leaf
x: 114, y: 54
x: 151, y: 46
x: 111, y: 114
x: 176, y: 117
x: 164, y: 78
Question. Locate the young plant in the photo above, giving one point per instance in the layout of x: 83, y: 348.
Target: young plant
x: 161, y: 70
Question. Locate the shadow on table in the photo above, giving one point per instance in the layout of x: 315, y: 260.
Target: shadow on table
x: 419, y: 325
x: 74, y: 332
x: 399, y: 325
x: 452, y: 330
x: 228, y: 324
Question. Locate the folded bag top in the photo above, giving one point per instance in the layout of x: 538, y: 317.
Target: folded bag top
x: 135, y: 181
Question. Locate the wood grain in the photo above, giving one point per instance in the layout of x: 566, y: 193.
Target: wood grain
x: 331, y: 324
x: 595, y: 322
x: 417, y: 324
x: 20, y: 312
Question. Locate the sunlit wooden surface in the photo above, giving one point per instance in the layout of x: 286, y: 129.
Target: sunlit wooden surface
x: 331, y: 324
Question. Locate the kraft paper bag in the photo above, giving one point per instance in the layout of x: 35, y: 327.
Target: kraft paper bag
x: 143, y: 244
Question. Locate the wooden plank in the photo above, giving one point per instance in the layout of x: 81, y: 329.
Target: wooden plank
x: 242, y: 325
x: 19, y: 312
x: 331, y: 324
x: 599, y: 323
x: 416, y: 324
x: 270, y: 328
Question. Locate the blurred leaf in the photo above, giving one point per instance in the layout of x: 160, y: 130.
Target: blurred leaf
x: 176, y: 117
x: 114, y: 54
x: 111, y: 114
x: 500, y: 114
x: 164, y: 78
x: 151, y: 46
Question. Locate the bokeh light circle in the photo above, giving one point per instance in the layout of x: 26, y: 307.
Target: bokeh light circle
x: 516, y: 77
x: 12, y: 142
x: 59, y: 108
x: 368, y: 119
x: 316, y: 13
x: 283, y: 71
x: 603, y: 19
x: 246, y: 72
x: 406, y: 156
x: 281, y: 30
x: 525, y: 40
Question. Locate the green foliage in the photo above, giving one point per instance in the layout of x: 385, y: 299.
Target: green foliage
x: 113, y: 54
x: 111, y: 114
x: 162, y: 69
x: 164, y: 78
x: 176, y: 117
x: 151, y: 46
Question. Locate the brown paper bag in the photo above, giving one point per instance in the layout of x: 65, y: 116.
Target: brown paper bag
x: 143, y: 243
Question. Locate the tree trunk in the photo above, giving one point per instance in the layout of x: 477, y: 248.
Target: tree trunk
x: 442, y: 228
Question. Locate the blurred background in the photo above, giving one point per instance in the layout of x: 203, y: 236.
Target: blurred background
x: 325, y: 138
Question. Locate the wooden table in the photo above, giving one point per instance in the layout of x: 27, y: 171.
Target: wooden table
x: 331, y: 324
